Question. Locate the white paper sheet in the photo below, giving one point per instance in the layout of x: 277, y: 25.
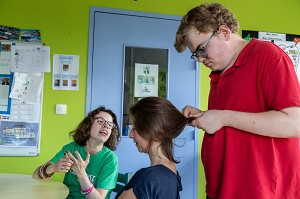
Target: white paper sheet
x: 65, y: 72
x: 146, y: 80
x: 26, y: 87
x: 30, y: 58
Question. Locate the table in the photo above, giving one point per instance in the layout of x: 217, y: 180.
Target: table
x: 20, y: 186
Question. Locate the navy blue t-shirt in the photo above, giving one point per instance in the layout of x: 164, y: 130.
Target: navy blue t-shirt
x: 156, y: 182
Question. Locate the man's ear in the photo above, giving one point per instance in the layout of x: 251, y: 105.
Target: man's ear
x: 224, y: 32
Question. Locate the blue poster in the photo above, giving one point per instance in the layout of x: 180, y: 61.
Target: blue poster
x: 19, y: 134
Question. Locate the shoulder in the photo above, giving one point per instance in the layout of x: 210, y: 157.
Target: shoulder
x: 265, y: 47
x: 155, y: 181
x: 157, y: 173
x: 263, y: 55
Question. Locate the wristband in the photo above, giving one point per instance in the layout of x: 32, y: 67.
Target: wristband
x: 87, y: 191
x: 41, y: 172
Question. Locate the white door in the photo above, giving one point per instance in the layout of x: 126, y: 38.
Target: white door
x: 118, y: 40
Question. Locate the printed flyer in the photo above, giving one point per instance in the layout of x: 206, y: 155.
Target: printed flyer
x: 65, y: 72
x: 146, y: 80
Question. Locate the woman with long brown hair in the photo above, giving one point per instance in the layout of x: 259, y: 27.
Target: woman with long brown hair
x: 156, y: 122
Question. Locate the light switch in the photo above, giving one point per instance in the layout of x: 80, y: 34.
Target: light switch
x: 61, y: 109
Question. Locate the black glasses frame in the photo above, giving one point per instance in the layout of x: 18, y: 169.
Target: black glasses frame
x: 102, y: 121
x: 201, y: 53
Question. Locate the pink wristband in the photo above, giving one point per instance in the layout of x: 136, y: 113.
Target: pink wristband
x: 87, y: 191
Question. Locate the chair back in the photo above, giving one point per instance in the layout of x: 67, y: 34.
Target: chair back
x: 123, y: 179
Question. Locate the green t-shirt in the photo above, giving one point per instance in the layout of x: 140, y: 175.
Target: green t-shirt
x: 102, y: 170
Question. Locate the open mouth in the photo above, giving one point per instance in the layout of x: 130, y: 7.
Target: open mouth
x: 103, y: 132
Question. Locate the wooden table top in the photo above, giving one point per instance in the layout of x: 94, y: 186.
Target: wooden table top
x: 21, y: 186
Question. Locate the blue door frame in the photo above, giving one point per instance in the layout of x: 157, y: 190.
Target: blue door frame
x: 109, y: 32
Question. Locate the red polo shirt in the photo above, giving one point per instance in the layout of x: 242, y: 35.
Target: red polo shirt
x: 241, y: 165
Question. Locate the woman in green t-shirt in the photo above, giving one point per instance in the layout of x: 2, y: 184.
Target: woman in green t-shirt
x: 89, y: 164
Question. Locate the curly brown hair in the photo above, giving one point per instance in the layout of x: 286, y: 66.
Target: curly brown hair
x: 157, y: 119
x: 82, y: 133
x: 204, y: 18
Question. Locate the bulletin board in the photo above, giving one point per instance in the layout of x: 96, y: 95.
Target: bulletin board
x: 22, y: 67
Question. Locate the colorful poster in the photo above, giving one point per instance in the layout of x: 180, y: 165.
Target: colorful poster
x: 9, y: 33
x: 65, y: 72
x: 30, y: 35
x: 15, y: 134
x: 146, y: 80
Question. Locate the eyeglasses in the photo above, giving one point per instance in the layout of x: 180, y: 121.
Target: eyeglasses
x: 102, y: 121
x: 201, y: 53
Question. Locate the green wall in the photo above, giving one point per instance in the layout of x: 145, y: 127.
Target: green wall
x: 64, y: 27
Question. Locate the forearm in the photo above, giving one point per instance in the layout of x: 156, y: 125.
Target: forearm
x: 283, y: 124
x: 34, y: 175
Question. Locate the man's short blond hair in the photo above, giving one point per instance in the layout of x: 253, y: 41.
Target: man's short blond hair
x: 204, y: 18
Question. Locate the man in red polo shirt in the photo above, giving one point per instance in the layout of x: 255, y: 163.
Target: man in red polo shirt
x: 251, y: 147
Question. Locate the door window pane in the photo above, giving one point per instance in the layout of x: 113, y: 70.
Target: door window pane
x: 145, y: 74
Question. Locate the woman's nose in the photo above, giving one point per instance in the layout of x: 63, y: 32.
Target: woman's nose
x: 131, y: 134
x: 105, y: 124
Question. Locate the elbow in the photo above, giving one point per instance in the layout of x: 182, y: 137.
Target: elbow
x: 33, y: 177
x: 296, y: 126
x: 293, y: 122
x: 297, y: 130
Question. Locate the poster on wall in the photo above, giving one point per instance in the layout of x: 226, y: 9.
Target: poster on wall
x: 30, y: 58
x: 292, y: 49
x: 65, y: 72
x: 146, y: 80
x: 9, y: 33
x: 31, y: 35
x: 13, y: 134
x: 269, y: 36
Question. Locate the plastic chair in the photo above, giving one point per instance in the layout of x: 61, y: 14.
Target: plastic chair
x: 123, y: 179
